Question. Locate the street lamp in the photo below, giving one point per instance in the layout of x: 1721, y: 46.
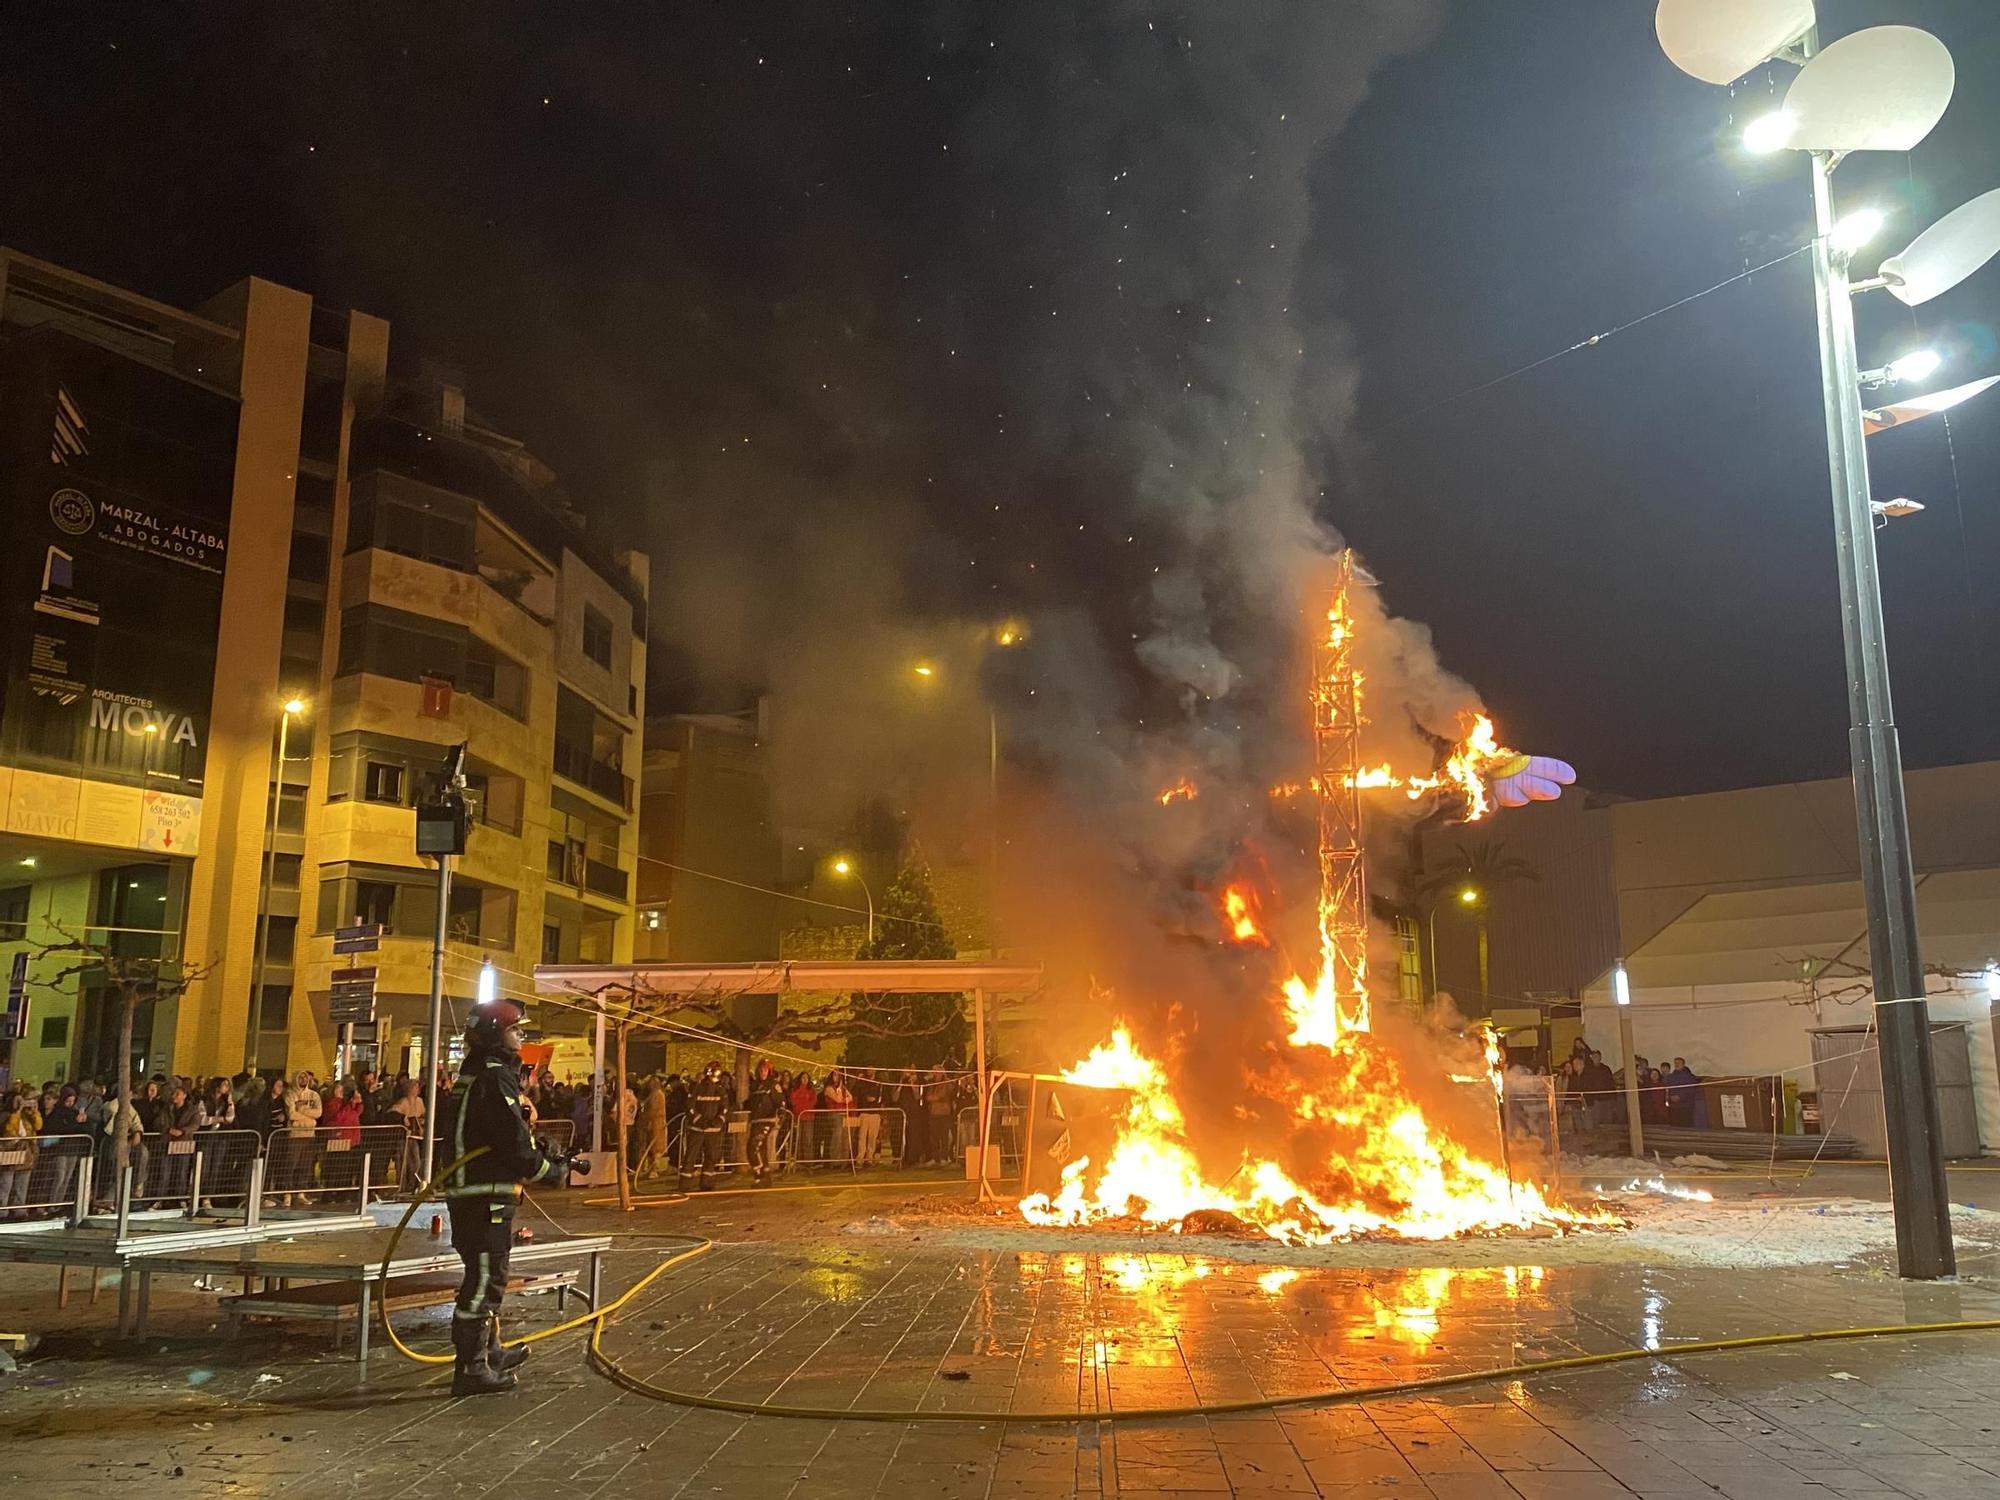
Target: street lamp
x: 290, y: 709
x: 845, y: 866
x: 1008, y: 633
x: 1466, y: 895
x: 1880, y: 89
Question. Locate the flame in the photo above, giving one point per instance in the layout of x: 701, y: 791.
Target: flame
x: 1239, y: 909
x: 1469, y: 768
x: 1363, y: 1157
x: 1388, y: 1168
x: 1182, y: 790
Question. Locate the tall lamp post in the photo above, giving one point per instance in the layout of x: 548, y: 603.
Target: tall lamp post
x: 442, y: 826
x: 1006, y: 635
x: 847, y: 868
x: 1882, y: 89
x: 253, y: 1023
x: 1466, y: 896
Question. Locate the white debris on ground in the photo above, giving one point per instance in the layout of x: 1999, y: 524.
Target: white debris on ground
x: 1624, y: 1167
x: 1663, y: 1231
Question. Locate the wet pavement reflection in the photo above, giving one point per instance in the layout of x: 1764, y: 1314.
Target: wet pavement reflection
x: 896, y: 1324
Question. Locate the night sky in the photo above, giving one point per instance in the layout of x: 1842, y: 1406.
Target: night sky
x: 870, y: 318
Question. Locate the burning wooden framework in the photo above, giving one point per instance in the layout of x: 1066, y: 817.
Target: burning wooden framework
x: 1343, y: 873
x: 1372, y: 1141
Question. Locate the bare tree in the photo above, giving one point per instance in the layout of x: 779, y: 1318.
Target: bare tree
x: 1841, y: 980
x: 136, y: 979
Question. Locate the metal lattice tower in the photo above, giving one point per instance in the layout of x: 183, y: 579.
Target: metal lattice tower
x: 1343, y: 879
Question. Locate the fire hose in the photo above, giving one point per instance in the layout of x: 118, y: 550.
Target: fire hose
x: 597, y: 1318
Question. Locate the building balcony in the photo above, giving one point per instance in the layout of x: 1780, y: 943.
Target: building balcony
x: 568, y: 866
x: 574, y: 763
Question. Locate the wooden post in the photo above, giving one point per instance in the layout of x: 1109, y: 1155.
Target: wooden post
x: 618, y: 1097
x: 1634, y: 1130
x: 979, y: 1062
x: 1028, y: 1135
x: 597, y: 1083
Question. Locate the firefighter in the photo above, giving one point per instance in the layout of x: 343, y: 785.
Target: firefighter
x: 708, y: 1117
x: 767, y: 1103
x: 482, y: 1195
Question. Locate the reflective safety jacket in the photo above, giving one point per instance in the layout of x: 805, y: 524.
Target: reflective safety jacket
x: 484, y: 1109
x: 709, y: 1101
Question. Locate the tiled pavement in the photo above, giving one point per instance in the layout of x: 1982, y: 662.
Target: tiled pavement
x: 819, y: 1317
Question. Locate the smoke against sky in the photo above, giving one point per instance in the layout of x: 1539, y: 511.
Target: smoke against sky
x: 804, y: 292
x: 1100, y: 422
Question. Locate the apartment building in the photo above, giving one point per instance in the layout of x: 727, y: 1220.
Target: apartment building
x: 266, y: 585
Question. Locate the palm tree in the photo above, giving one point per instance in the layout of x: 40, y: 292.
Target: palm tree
x: 1474, y: 873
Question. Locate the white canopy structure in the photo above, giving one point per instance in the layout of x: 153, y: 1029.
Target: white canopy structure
x: 593, y: 984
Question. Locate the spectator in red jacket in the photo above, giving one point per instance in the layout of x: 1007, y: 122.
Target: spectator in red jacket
x: 342, y: 1112
x: 340, y: 1135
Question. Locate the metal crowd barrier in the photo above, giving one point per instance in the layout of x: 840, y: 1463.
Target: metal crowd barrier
x: 332, y: 1162
x: 1006, y: 1131
x: 217, y: 1171
x: 38, y: 1176
x: 1533, y: 1115
x: 226, y: 1166
x: 851, y: 1138
x: 681, y: 1148
x: 939, y: 1138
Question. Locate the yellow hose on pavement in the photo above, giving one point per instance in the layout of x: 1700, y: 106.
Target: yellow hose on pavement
x: 593, y: 1316
x: 1345, y: 1396
x: 598, y: 1317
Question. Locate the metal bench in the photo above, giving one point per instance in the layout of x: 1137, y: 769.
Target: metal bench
x: 336, y: 1302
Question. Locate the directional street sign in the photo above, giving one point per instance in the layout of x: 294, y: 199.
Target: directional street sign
x: 362, y: 937
x: 351, y: 995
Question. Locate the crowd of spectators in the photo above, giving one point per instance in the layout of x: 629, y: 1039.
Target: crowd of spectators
x: 843, y: 1116
x: 1590, y: 1094
x: 298, y: 1125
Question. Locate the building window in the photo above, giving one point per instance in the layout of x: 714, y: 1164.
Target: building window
x: 551, y: 943
x: 283, y: 937
x: 304, y: 615
x: 495, y: 801
x: 384, y: 783
x: 1409, y: 963
x: 283, y: 871
x: 375, y: 901
x: 597, y: 637
x: 308, y: 560
x: 14, y: 913
x: 496, y: 678
x: 481, y: 914
x: 394, y: 643
x: 439, y: 531
x: 55, y: 1031
x: 274, y: 1012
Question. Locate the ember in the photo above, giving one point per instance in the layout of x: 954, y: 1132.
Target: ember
x: 1384, y: 1165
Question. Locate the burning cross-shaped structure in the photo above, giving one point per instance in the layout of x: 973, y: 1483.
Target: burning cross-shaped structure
x: 1370, y: 1145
